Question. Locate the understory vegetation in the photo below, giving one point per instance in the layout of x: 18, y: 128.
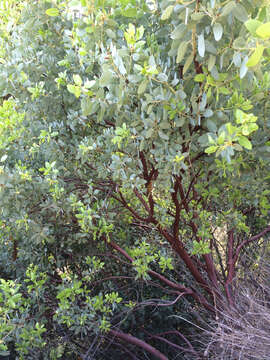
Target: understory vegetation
x: 134, y: 179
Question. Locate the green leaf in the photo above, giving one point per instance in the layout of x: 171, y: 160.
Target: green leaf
x: 201, y: 45
x: 211, y: 125
x: 251, y: 127
x: 252, y: 25
x: 263, y: 31
x: 178, y: 31
x: 77, y: 79
x: 52, y: 12
x: 111, y: 34
x: 87, y: 106
x: 211, y: 149
x: 149, y: 133
x: 75, y: 90
x: 187, y: 63
x: 181, y: 51
x: 243, y: 68
x: 199, y: 78
x: 3, y: 158
x: 228, y: 8
x: 142, y: 87
x: 262, y: 14
x: 240, y: 12
x: 211, y: 62
x: 130, y: 12
x: 243, y: 141
x: 167, y: 13
x: 218, y: 31
x: 224, y: 90
x: 222, y: 136
x: 256, y: 56
x: 163, y: 135
x: 208, y: 113
x: 179, y: 121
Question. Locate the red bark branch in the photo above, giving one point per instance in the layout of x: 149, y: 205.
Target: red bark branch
x: 177, y: 211
x: 199, y: 298
x: 230, y: 266
x: 138, y: 342
x: 247, y: 241
x: 144, y: 203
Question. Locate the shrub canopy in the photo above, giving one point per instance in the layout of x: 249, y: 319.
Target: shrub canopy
x: 134, y: 142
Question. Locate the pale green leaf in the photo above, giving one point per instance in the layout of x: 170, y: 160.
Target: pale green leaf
x: 224, y: 90
x: 131, y: 12
x: 163, y: 135
x: 201, y: 45
x: 218, y: 31
x: 240, y: 13
x: 52, y: 12
x: 243, y: 141
x: 77, y: 79
x: 211, y: 149
x: 87, y: 106
x: 111, y: 34
x: 211, y: 125
x: 208, y: 113
x: 252, y: 25
x: 263, y: 31
x: 179, y: 31
x: 75, y: 90
x: 211, y: 62
x: 187, y: 63
x: 149, y: 133
x: 243, y: 68
x: 228, y: 8
x: 199, y: 78
x: 256, y: 56
x: 181, y: 51
x: 142, y: 87
x: 167, y: 13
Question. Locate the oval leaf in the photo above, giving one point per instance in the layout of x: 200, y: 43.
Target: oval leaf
x: 243, y: 141
x: 252, y: 26
x: 201, y: 45
x: 181, y: 51
x: 52, y: 12
x: 178, y: 32
x: 187, y: 63
x: 167, y: 13
x: 228, y: 8
x: 77, y: 79
x: 142, y: 87
x: 211, y: 62
x: 218, y: 31
x: 199, y: 77
x: 163, y: 135
x: 240, y: 13
x: 256, y: 56
x: 211, y: 149
x: 263, y: 31
x: 243, y: 68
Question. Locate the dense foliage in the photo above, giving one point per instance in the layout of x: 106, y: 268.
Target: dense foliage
x: 134, y: 150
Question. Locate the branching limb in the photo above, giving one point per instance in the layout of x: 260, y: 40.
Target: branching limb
x: 138, y: 342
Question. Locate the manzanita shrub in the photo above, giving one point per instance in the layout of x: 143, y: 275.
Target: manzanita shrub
x: 134, y: 150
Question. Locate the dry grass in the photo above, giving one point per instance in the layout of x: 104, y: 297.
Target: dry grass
x: 243, y: 332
